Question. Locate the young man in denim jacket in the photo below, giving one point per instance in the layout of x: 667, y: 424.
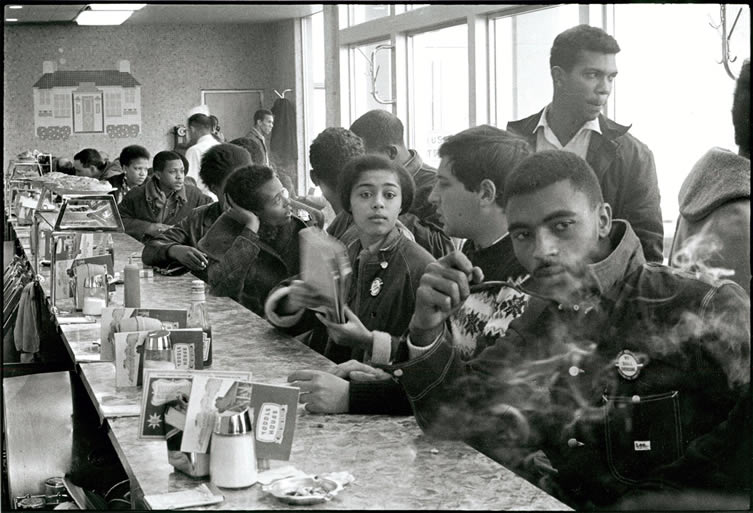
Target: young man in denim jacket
x: 633, y: 378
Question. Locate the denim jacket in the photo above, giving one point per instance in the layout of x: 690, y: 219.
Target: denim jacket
x: 644, y: 388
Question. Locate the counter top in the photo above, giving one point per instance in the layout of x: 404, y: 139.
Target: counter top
x: 395, y: 465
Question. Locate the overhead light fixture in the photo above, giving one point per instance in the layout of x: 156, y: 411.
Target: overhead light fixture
x: 15, y: 7
x: 102, y: 17
x: 115, y: 7
x: 11, y: 19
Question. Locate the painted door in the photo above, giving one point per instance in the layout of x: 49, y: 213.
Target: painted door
x: 234, y: 108
x: 88, y: 112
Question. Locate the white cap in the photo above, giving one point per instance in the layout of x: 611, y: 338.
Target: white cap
x: 199, y: 109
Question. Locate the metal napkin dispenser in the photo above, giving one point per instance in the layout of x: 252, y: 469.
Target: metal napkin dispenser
x: 89, y: 280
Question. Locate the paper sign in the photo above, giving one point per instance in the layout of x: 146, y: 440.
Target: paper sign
x: 206, y: 393
x: 166, y: 388
x: 119, y: 319
x: 275, y: 411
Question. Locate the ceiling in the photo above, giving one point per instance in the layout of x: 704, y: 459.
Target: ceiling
x: 177, y: 13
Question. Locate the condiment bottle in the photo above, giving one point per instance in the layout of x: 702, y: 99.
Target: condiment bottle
x: 199, y: 318
x: 232, y: 456
x: 132, y: 292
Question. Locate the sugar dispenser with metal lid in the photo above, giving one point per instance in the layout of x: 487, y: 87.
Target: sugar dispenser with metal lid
x: 232, y: 458
x: 158, y: 352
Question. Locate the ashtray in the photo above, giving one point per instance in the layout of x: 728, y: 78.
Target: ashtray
x: 303, y: 491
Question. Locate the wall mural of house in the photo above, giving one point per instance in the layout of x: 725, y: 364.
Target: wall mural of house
x: 87, y: 102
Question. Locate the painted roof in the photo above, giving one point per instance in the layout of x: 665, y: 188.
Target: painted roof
x: 108, y: 77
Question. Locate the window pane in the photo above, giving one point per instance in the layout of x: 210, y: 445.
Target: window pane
x: 523, y: 84
x: 679, y: 104
x: 362, y: 100
x: 439, y: 92
x: 366, y: 12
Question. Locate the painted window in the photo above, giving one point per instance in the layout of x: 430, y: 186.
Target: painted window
x: 45, y: 97
x: 130, y: 94
x: 113, y: 106
x: 62, y: 106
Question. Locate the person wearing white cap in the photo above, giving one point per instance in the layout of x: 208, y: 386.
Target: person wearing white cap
x: 200, y: 132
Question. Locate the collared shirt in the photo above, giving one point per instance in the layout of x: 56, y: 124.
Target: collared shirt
x: 547, y: 140
x: 193, y: 156
x: 163, y: 205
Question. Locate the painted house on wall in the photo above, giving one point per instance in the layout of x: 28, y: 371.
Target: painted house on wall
x: 87, y: 102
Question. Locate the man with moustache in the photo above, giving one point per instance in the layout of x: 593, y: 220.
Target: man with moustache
x: 583, y: 69
x: 633, y: 378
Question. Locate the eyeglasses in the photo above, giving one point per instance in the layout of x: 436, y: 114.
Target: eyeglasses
x: 280, y: 199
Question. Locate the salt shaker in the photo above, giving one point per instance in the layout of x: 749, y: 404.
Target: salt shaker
x: 232, y: 458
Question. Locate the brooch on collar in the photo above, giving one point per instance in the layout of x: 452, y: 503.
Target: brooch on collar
x: 376, y: 287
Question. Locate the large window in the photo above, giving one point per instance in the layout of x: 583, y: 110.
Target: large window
x: 315, y: 92
x: 671, y: 88
x: 521, y: 60
x: 367, y: 61
x: 113, y: 104
x: 439, y: 88
x: 353, y: 14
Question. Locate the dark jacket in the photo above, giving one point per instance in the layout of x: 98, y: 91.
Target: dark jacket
x: 422, y: 218
x: 138, y: 211
x: 471, y: 327
x: 244, y: 265
x: 560, y: 380
x: 713, y: 230
x: 389, y: 311
x: 259, y: 139
x: 625, y: 169
x: 188, y: 232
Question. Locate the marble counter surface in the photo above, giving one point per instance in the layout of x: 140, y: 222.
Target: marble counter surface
x: 395, y: 465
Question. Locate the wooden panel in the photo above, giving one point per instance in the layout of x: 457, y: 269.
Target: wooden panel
x: 37, y: 415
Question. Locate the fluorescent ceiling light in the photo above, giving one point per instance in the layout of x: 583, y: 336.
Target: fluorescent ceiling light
x: 15, y: 7
x: 11, y: 19
x: 116, y: 7
x: 102, y: 17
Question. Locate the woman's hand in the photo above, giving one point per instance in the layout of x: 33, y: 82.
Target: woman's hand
x: 302, y: 295
x: 352, y: 334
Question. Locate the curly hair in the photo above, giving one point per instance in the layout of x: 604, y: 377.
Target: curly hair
x: 359, y: 165
x: 378, y: 128
x: 163, y: 157
x: 741, y: 109
x: 330, y: 151
x: 251, y: 146
x: 220, y: 160
x: 548, y: 167
x: 484, y: 153
x: 131, y: 153
x: 243, y: 185
x: 568, y: 45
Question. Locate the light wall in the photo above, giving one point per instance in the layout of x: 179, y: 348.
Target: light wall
x: 173, y: 63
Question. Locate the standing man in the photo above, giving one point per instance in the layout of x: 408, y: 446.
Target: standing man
x: 264, y: 121
x: 382, y: 133
x: 583, y: 69
x: 200, y: 132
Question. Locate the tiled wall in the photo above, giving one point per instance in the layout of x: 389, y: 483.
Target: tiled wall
x: 173, y: 63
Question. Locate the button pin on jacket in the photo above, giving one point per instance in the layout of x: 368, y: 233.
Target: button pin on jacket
x: 376, y: 287
x: 383, y: 264
x: 573, y: 443
x: 627, y: 365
